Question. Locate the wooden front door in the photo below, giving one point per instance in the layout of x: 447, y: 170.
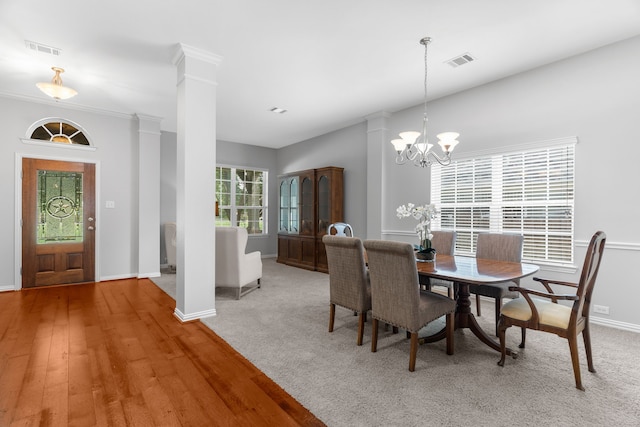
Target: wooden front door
x: 58, y: 222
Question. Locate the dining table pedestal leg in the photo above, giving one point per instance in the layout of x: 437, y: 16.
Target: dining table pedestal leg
x: 464, y: 318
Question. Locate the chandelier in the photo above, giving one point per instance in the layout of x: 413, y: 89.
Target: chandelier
x: 54, y: 88
x: 414, y: 146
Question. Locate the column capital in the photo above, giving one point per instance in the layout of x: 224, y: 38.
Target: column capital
x: 185, y: 51
x: 377, y: 121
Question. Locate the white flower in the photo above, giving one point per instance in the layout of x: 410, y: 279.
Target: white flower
x: 424, y: 215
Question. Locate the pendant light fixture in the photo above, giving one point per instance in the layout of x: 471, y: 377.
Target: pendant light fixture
x: 55, y: 89
x: 414, y: 146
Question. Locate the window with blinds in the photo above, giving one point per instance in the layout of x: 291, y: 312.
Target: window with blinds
x: 529, y: 193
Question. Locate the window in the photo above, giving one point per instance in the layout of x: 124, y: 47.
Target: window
x: 241, y: 196
x: 59, y: 131
x: 529, y: 192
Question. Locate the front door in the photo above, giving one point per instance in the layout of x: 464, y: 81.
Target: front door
x: 58, y: 222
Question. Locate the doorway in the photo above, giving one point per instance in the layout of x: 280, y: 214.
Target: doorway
x: 58, y: 222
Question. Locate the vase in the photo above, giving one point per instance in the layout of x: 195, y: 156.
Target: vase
x: 426, y: 256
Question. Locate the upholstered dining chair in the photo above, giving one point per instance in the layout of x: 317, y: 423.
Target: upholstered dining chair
x: 444, y: 242
x: 501, y: 247
x: 549, y: 316
x: 396, y: 298
x: 340, y: 229
x: 348, y: 279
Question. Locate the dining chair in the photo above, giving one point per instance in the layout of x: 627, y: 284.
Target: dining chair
x: 348, y: 279
x: 444, y: 242
x: 549, y: 316
x: 501, y: 247
x: 396, y: 298
x: 340, y: 229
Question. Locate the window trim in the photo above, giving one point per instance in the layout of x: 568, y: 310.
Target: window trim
x: 265, y: 196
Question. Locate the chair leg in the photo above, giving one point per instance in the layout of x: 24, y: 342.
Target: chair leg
x: 478, y: 305
x: 239, y: 293
x: 575, y: 361
x: 374, y: 335
x: 524, y: 337
x: 332, y: 316
x: 498, y: 309
x: 413, y: 352
x: 360, y: 327
x: 259, y: 285
x: 450, y: 325
x: 587, y: 346
x: 502, y: 332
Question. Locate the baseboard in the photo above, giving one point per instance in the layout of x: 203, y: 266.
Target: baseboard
x: 615, y: 324
x: 7, y: 288
x: 194, y: 316
x: 117, y: 277
x: 148, y: 275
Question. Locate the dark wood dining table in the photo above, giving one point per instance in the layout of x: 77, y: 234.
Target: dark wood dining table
x: 464, y: 271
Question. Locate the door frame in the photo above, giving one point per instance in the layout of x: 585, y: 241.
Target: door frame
x: 18, y: 212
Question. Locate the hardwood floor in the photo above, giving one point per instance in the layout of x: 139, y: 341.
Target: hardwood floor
x: 113, y: 354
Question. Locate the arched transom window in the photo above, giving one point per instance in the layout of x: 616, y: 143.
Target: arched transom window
x: 59, y: 131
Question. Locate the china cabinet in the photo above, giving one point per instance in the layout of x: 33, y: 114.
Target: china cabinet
x: 309, y: 201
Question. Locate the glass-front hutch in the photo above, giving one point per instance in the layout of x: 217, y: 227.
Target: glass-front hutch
x: 309, y: 201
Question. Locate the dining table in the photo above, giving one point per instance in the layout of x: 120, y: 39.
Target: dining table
x: 464, y: 271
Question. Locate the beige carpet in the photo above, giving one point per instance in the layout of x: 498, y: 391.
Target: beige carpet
x: 282, y: 329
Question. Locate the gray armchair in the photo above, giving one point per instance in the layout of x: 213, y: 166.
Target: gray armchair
x: 396, y: 297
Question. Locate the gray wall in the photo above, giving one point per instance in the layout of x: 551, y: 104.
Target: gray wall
x: 344, y: 148
x: 115, y: 137
x: 595, y: 97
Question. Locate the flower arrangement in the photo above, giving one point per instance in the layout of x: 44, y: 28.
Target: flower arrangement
x: 424, y: 214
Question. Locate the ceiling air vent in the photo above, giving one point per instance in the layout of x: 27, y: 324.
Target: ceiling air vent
x: 465, y: 58
x: 39, y: 47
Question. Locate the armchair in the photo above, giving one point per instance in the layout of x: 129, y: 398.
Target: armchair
x: 234, y: 267
x: 545, y: 314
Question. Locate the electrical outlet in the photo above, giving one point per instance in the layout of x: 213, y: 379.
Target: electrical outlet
x: 602, y: 309
x: 110, y: 204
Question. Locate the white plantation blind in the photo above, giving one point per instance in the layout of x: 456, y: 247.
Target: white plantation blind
x: 529, y: 193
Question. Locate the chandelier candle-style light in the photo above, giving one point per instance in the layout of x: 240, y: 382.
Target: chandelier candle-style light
x: 414, y: 146
x: 54, y: 88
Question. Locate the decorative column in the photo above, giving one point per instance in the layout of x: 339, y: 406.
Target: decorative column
x: 148, y: 196
x: 376, y: 139
x: 195, y: 183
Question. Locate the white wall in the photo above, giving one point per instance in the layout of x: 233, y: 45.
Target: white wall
x: 115, y: 137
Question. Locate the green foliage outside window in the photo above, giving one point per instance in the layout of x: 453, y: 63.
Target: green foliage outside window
x: 241, y: 197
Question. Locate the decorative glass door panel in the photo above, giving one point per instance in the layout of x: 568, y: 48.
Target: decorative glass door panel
x: 324, y: 204
x: 307, y: 206
x: 293, y: 206
x: 59, y: 207
x: 284, y: 206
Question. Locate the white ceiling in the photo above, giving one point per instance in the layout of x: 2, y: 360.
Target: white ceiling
x: 329, y: 63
